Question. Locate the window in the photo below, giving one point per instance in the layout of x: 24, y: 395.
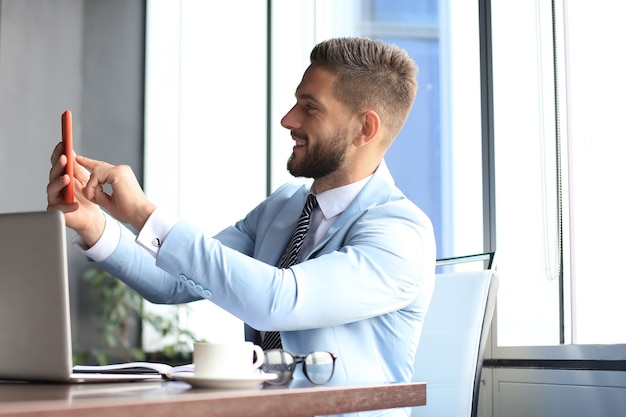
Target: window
x: 556, y: 138
x: 194, y: 106
x: 206, y: 119
x: 205, y: 125
x: 596, y: 144
x: 436, y: 160
x: 558, y: 144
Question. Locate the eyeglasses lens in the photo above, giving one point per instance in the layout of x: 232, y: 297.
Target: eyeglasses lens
x: 281, y: 363
x: 319, y: 367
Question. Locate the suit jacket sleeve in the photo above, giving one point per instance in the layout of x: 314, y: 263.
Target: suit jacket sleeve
x: 376, y: 259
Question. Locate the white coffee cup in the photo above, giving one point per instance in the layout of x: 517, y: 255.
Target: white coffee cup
x: 226, y: 359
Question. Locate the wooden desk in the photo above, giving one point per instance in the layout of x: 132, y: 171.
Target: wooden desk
x: 167, y: 399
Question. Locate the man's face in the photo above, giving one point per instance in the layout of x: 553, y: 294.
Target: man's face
x: 319, y: 124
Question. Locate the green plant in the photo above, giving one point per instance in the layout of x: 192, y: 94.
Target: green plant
x: 118, y: 306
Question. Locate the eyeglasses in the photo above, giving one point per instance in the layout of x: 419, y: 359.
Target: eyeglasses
x: 317, y: 366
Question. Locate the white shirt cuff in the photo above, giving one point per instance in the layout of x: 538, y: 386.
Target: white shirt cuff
x: 107, y: 243
x: 156, y: 229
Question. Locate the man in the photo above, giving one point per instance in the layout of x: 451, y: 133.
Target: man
x: 365, y: 272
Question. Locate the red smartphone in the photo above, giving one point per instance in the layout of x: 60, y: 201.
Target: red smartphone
x: 66, y: 132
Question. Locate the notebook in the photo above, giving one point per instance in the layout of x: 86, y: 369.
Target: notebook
x: 35, y: 329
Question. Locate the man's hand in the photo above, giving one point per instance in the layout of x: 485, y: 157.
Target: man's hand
x: 83, y: 216
x: 127, y: 201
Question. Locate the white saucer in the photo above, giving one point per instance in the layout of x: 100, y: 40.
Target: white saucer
x: 229, y: 382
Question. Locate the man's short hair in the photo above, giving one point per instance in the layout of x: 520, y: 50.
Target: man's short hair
x: 371, y: 75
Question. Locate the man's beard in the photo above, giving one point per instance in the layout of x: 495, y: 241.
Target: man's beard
x: 321, y: 159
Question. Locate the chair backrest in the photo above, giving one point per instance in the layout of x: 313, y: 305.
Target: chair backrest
x: 450, y: 353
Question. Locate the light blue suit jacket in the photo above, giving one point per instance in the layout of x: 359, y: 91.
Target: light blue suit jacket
x: 362, y: 294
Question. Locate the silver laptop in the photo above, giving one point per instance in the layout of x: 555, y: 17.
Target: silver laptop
x: 35, y: 331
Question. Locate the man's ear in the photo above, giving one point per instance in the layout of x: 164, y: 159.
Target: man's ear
x: 370, y: 126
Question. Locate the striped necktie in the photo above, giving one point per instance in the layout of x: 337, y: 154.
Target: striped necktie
x: 271, y: 340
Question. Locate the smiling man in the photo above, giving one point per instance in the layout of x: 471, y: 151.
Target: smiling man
x: 356, y: 276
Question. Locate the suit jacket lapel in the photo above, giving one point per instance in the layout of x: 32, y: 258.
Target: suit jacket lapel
x: 377, y: 190
x: 281, y: 228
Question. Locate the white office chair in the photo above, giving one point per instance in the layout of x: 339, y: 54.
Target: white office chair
x: 450, y: 353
